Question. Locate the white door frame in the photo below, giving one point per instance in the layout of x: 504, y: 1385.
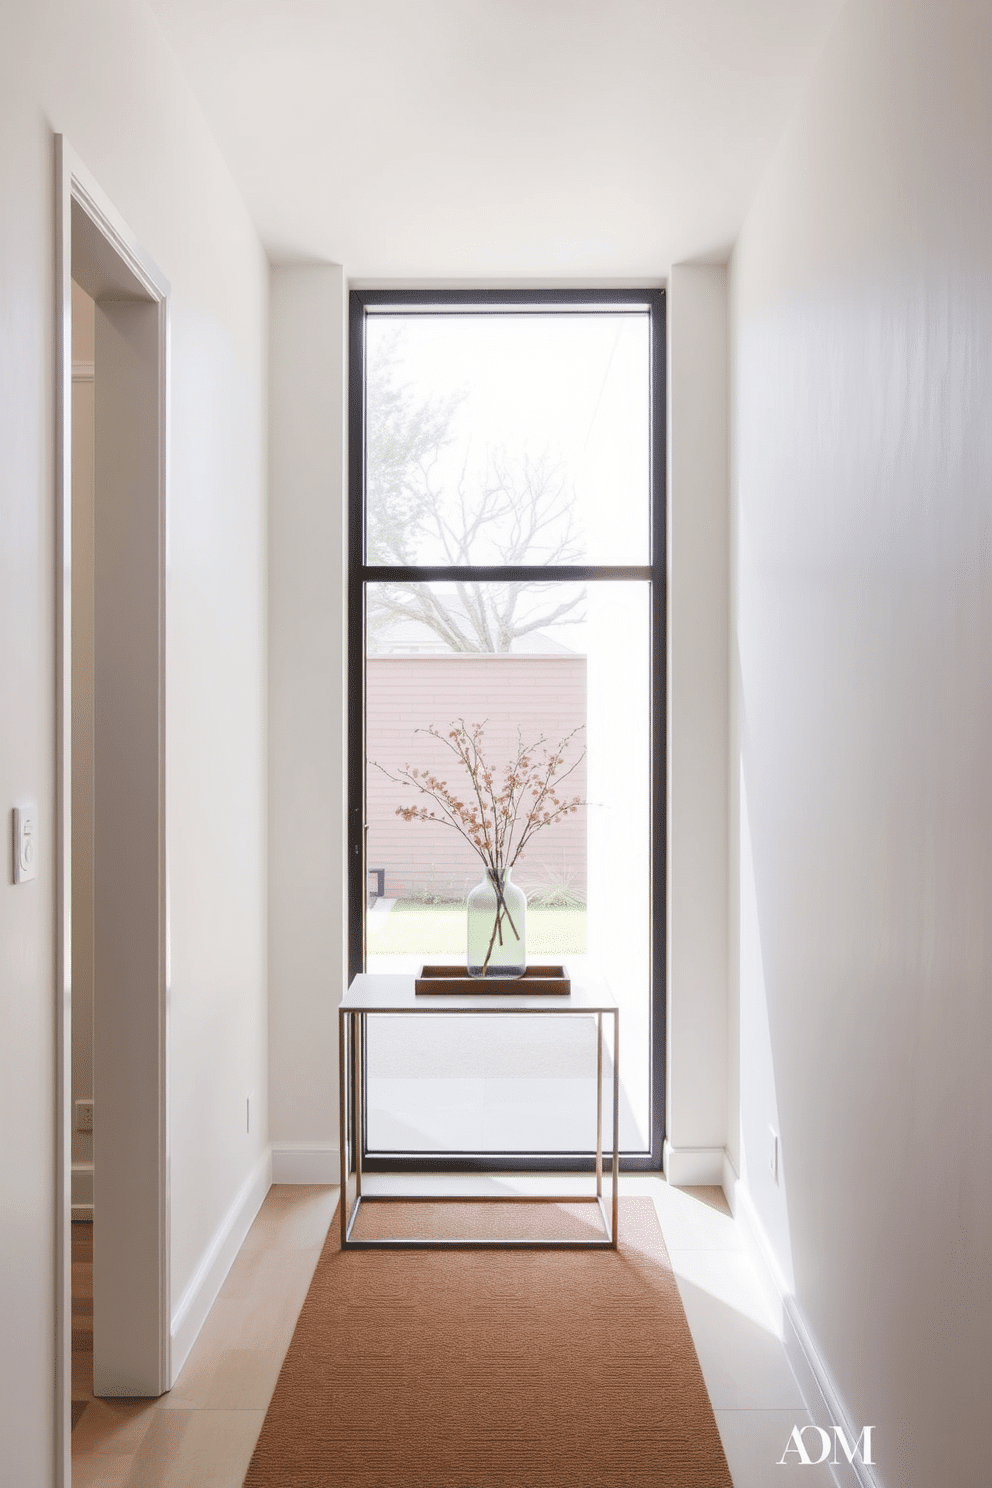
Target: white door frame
x: 131, y: 1270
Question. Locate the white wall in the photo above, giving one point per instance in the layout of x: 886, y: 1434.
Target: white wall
x: 307, y: 721
x: 103, y: 75
x: 698, y: 724
x: 862, y: 382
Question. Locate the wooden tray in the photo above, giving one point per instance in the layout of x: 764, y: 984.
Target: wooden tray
x: 454, y: 981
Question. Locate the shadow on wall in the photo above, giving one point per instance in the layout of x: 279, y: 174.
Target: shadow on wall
x: 763, y: 1167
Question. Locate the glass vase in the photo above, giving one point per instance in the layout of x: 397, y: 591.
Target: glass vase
x: 497, y: 911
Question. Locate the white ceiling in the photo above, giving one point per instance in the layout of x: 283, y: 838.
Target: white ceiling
x: 497, y: 139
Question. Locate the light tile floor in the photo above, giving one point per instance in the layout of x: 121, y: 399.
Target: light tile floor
x: 203, y: 1432
x: 750, y: 1382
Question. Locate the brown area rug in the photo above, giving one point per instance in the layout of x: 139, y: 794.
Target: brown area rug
x: 493, y: 1369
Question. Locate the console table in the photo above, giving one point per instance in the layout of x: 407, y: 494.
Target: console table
x: 385, y: 994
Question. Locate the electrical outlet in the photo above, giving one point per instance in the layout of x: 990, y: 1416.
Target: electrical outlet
x: 84, y: 1115
x: 773, y: 1153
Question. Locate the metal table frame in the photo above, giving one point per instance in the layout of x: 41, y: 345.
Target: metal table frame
x: 390, y: 994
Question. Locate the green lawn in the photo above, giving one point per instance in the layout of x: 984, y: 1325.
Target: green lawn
x: 411, y: 929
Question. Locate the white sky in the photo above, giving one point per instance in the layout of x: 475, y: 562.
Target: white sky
x: 574, y: 385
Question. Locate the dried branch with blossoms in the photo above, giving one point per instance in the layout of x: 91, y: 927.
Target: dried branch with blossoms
x: 503, y: 808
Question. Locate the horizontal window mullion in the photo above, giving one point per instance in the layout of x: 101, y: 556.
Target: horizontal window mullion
x: 482, y: 573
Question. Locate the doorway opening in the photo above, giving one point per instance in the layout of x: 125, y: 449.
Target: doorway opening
x: 110, y: 844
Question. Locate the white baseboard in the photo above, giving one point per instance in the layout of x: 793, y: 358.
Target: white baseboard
x: 305, y: 1162
x: 198, y: 1298
x: 82, y: 1191
x: 729, y: 1181
x: 816, y: 1386
x: 692, y: 1167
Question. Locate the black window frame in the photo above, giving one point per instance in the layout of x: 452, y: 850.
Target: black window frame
x: 655, y: 572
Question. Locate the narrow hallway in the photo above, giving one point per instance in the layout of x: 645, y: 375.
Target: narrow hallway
x: 203, y: 1432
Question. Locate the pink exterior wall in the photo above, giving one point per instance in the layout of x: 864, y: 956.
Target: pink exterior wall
x: 540, y: 694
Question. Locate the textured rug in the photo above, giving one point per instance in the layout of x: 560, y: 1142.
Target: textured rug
x: 493, y: 1369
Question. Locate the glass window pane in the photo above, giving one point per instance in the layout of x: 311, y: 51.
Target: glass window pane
x: 511, y: 438
x: 577, y: 669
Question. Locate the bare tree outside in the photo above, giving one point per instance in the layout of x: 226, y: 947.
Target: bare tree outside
x: 507, y: 507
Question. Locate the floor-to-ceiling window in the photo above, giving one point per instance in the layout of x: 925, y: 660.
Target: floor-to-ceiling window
x: 507, y: 576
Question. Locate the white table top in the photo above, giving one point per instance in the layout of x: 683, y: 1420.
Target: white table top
x: 385, y: 992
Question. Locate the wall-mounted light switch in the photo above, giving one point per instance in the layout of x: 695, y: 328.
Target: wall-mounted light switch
x: 25, y: 843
